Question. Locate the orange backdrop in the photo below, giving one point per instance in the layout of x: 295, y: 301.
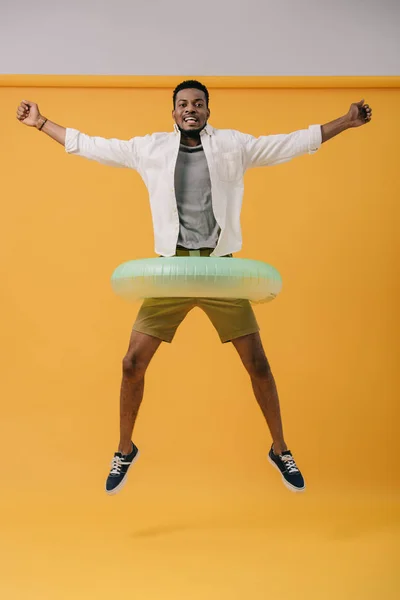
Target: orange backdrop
x: 328, y: 223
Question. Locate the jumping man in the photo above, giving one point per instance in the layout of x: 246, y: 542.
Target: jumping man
x: 194, y: 176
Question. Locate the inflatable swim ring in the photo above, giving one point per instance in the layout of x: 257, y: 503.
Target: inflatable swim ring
x: 201, y: 277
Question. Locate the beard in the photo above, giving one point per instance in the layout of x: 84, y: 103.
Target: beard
x: 191, y: 133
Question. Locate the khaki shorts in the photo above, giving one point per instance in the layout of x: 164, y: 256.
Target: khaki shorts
x: 161, y: 317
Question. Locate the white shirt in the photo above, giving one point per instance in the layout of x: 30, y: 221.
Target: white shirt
x: 229, y: 154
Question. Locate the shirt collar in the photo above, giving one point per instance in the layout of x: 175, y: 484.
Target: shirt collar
x: 208, y: 130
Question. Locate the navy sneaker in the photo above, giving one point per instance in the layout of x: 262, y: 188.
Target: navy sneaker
x: 290, y: 472
x: 119, y: 470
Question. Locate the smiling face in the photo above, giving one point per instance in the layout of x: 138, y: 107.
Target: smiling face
x: 191, y: 111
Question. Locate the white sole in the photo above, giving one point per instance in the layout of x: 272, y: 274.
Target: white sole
x: 289, y: 486
x: 123, y: 482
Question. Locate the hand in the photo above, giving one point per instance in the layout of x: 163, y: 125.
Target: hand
x: 28, y: 113
x: 359, y: 114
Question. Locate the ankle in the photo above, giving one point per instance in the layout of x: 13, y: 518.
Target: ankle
x: 125, y: 448
x: 278, y: 448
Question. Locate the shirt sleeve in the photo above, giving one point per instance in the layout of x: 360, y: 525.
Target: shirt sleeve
x: 276, y: 149
x: 112, y: 152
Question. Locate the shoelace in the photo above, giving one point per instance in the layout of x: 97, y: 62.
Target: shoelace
x: 116, y: 465
x: 290, y: 464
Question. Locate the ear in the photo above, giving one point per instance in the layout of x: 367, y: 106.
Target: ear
x: 208, y: 113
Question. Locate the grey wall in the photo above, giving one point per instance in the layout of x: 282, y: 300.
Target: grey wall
x: 207, y: 37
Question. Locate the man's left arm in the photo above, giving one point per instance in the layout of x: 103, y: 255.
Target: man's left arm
x: 359, y: 114
x: 276, y: 149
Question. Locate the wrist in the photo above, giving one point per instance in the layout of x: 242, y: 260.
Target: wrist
x: 40, y: 122
x: 347, y: 124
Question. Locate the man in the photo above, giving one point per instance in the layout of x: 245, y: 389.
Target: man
x: 195, y: 180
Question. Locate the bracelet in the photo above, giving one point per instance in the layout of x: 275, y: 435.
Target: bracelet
x: 43, y: 124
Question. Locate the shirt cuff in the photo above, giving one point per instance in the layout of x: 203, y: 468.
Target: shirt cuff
x: 315, y: 139
x: 71, y: 140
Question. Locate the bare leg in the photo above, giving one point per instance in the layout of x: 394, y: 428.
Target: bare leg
x: 141, y: 350
x: 252, y: 353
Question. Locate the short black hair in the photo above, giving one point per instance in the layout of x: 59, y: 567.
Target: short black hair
x: 191, y: 83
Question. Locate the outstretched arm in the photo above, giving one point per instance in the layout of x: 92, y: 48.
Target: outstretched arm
x: 359, y: 114
x: 112, y: 152
x: 276, y: 149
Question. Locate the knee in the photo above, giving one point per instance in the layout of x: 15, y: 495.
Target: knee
x: 258, y: 368
x: 133, y: 367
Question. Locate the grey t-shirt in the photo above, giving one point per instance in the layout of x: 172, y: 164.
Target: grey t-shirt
x: 197, y: 225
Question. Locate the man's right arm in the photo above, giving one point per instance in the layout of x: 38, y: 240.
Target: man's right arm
x: 112, y: 152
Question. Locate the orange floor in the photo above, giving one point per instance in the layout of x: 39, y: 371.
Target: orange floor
x: 177, y: 537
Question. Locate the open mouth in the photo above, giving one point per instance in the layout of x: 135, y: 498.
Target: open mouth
x: 190, y: 120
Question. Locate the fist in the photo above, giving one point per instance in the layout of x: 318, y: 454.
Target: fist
x: 28, y: 113
x: 359, y: 114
